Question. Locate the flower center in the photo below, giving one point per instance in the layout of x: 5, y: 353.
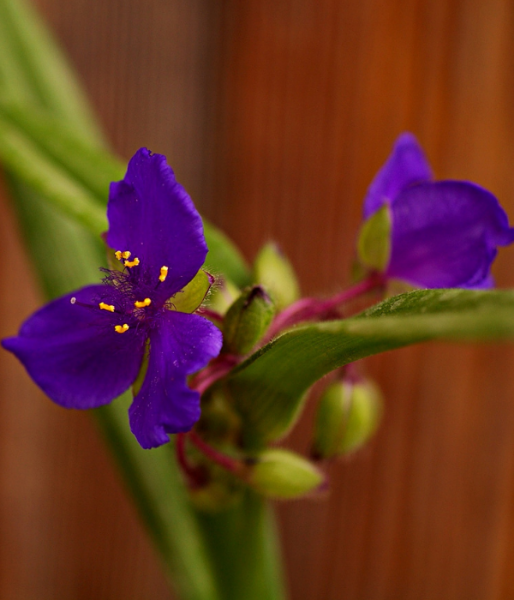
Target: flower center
x: 123, y: 288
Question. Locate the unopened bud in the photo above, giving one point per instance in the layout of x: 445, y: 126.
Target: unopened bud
x: 275, y: 273
x: 374, y: 244
x: 348, y: 415
x: 283, y: 474
x: 247, y: 320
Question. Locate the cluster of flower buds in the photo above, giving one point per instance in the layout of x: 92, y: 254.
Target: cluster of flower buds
x: 215, y: 460
x: 161, y: 324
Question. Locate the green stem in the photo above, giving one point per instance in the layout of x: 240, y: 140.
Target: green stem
x: 243, y: 545
x: 23, y: 158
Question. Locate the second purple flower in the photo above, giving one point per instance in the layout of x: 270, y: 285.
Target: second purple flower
x: 430, y: 234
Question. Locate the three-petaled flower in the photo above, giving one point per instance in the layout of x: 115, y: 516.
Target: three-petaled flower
x: 431, y: 234
x: 86, y: 348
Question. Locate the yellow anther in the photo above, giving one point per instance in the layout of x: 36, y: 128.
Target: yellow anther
x: 164, y: 273
x: 143, y: 303
x: 131, y: 263
x: 121, y: 328
x: 119, y: 255
x: 108, y: 307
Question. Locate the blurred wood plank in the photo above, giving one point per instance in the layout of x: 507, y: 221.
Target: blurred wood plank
x: 314, y: 94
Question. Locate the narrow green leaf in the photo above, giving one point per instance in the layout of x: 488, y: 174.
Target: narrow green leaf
x: 91, y: 166
x: 23, y: 159
x: 156, y: 486
x: 39, y: 70
x: 269, y: 387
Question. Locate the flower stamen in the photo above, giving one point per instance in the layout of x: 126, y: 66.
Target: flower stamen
x: 119, y: 255
x: 164, y: 274
x: 121, y: 328
x: 142, y: 303
x: 108, y: 307
x: 132, y: 263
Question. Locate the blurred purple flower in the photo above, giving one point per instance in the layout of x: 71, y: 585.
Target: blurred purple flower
x: 86, y: 348
x: 443, y: 233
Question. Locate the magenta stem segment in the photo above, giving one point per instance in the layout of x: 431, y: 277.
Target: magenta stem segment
x: 193, y: 474
x: 308, y: 309
x: 210, y: 314
x: 217, y: 369
x: 227, y: 462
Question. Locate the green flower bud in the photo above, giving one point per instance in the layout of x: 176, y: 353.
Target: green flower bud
x: 247, y: 320
x: 348, y: 415
x: 374, y: 244
x: 275, y: 273
x: 283, y: 474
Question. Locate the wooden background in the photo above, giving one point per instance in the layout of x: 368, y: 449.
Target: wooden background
x: 276, y: 114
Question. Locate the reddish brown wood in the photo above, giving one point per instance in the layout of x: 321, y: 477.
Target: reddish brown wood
x: 314, y: 94
x: 309, y: 97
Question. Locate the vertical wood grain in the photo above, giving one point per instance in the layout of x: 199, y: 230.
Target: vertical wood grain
x: 276, y: 115
x: 314, y: 94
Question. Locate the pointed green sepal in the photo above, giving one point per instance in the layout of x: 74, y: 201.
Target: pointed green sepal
x: 348, y: 415
x: 283, y: 474
x: 275, y: 273
x: 374, y: 244
x: 247, y: 320
x: 191, y: 297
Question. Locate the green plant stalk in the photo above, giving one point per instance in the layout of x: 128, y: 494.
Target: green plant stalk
x: 249, y: 566
x: 35, y: 69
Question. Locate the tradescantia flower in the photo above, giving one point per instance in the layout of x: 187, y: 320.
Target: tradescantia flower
x: 86, y: 348
x: 430, y: 234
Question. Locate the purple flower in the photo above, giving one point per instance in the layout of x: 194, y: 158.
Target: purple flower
x: 442, y: 233
x: 86, y: 348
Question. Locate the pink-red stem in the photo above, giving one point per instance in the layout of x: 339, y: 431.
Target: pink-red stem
x: 308, y: 309
x: 191, y: 472
x: 227, y: 462
x: 217, y: 369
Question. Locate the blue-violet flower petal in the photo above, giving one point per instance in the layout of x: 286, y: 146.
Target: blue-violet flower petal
x: 443, y: 233
x: 86, y: 348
